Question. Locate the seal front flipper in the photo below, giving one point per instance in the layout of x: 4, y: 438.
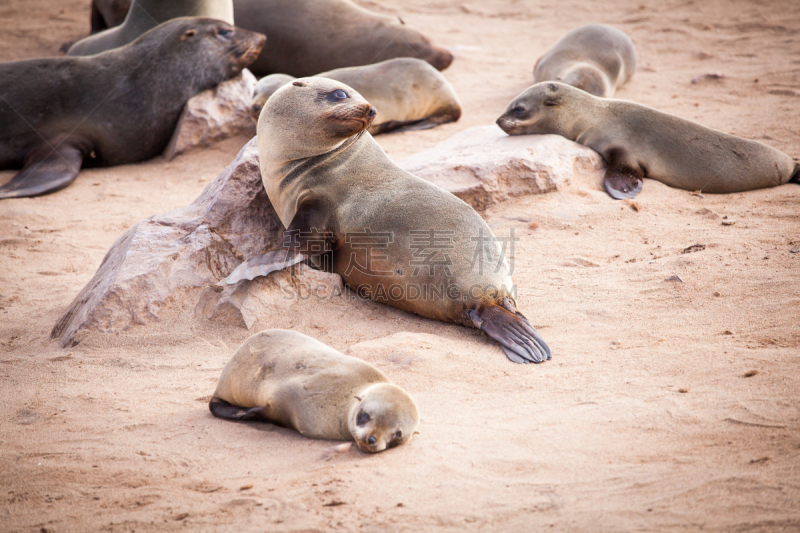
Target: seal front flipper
x: 46, y: 170
x: 222, y: 409
x: 521, y: 342
x: 622, y: 180
x: 263, y: 264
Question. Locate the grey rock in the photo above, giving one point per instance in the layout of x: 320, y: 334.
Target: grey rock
x: 181, y: 251
x: 483, y: 165
x: 214, y: 115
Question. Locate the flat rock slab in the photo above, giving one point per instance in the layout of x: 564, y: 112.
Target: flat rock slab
x: 484, y: 165
x: 243, y: 303
x: 183, y: 250
x: 214, y: 115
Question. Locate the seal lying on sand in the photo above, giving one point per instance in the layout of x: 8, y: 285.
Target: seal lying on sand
x: 595, y: 58
x: 392, y: 236
x: 143, y: 16
x: 295, y: 381
x: 408, y: 93
x: 639, y: 142
x: 117, y: 107
x: 311, y: 36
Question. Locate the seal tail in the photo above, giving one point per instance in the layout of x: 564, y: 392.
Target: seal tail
x: 46, y: 170
x: 222, y: 409
x: 520, y: 340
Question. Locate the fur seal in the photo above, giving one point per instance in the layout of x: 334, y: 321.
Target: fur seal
x: 294, y: 381
x: 311, y: 36
x: 113, y: 108
x: 108, y: 13
x: 639, y: 142
x: 595, y: 58
x: 408, y: 93
x: 393, y: 237
x: 145, y: 15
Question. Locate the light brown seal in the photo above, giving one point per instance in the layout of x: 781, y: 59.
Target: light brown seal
x: 113, y: 108
x: 392, y: 236
x: 311, y: 36
x: 292, y: 380
x: 639, y: 142
x: 144, y: 15
x: 595, y: 58
x: 408, y: 93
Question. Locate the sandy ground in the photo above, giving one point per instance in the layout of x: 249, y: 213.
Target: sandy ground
x: 643, y: 421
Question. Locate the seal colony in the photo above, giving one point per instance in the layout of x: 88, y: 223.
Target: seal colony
x: 142, y: 16
x: 408, y: 93
x: 85, y: 111
x: 595, y: 58
x: 297, y: 382
x: 336, y: 191
x: 639, y: 142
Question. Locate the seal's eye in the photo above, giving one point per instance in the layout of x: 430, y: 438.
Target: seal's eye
x: 362, y: 418
x: 371, y: 440
x: 398, y: 434
x: 224, y: 34
x: 519, y: 110
x: 340, y: 94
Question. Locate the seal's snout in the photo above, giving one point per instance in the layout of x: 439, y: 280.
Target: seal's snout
x: 441, y: 58
x: 372, y: 112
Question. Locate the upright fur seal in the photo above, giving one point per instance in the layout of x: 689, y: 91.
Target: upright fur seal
x: 596, y: 58
x: 311, y: 36
x: 392, y: 236
x: 408, y: 93
x: 295, y: 381
x: 117, y: 107
x: 142, y: 16
x: 639, y: 142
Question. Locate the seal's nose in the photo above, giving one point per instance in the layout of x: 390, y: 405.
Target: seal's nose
x: 372, y: 111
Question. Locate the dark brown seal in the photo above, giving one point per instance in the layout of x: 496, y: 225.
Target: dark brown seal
x: 639, y: 142
x: 311, y: 36
x: 113, y: 108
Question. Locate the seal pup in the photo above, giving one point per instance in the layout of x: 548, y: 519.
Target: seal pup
x: 408, y: 93
x: 393, y: 237
x: 639, y: 142
x: 595, y: 58
x: 113, y: 108
x: 311, y: 36
x: 294, y: 381
x: 144, y: 15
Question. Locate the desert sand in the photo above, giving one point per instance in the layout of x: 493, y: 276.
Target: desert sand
x: 667, y: 406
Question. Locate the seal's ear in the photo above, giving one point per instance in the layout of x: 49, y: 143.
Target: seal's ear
x: 358, y: 398
x: 188, y: 33
x: 299, y: 83
x: 552, y: 102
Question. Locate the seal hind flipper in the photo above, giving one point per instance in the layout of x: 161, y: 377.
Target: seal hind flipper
x: 222, y: 409
x: 263, y: 264
x: 622, y: 180
x: 520, y: 340
x: 53, y: 171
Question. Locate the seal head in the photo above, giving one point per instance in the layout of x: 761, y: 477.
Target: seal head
x: 541, y: 109
x: 384, y: 417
